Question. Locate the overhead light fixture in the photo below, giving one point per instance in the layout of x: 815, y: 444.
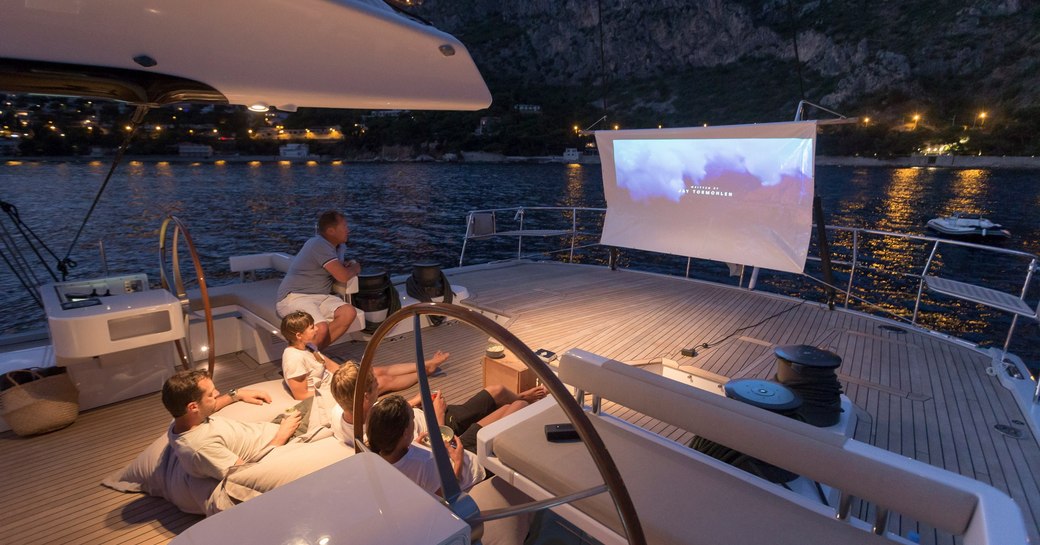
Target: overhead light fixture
x: 258, y: 107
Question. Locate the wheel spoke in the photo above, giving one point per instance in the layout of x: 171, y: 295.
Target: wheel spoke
x: 533, y: 506
x: 593, y: 442
x: 449, y: 485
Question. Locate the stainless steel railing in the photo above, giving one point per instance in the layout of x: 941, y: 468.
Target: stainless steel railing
x: 865, y: 255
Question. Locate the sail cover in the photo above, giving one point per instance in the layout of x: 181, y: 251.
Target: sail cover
x: 739, y: 194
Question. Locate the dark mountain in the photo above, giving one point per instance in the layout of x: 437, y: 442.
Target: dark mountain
x: 676, y: 62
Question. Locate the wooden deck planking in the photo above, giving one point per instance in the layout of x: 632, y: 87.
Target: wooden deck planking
x: 923, y: 397
x: 922, y: 393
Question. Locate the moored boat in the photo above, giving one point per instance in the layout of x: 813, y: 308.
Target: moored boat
x: 968, y: 226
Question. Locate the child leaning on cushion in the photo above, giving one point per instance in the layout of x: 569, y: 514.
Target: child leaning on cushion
x: 390, y: 431
x: 305, y: 368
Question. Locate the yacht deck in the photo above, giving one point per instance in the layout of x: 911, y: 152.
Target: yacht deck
x: 919, y: 395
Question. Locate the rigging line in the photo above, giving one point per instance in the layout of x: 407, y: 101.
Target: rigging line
x: 602, y: 73
x: 135, y: 122
x: 798, y: 58
x: 735, y: 331
x: 16, y: 254
x: 22, y: 227
x: 21, y: 279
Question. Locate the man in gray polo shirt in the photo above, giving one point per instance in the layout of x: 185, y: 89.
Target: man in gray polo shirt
x: 307, y: 285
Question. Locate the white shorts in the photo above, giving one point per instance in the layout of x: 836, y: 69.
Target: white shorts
x: 320, y: 307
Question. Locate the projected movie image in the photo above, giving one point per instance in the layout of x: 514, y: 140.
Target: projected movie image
x: 738, y: 200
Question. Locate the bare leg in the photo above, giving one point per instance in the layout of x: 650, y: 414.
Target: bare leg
x: 502, y: 412
x: 328, y: 332
x: 504, y: 396
x: 432, y: 364
x: 394, y: 383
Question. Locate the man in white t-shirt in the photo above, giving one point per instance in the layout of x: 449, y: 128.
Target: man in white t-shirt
x: 307, y: 285
x: 207, y: 445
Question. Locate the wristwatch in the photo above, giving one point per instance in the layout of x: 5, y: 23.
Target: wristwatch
x: 233, y: 393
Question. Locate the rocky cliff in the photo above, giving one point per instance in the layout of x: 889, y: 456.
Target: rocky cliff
x: 758, y: 57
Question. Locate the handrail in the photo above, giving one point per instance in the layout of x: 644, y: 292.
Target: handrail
x: 850, y: 254
x: 520, y: 213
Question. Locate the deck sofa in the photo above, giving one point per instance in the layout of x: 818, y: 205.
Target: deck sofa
x: 684, y: 496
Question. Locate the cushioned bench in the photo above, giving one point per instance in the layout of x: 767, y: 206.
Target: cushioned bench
x: 684, y: 496
x: 254, y: 301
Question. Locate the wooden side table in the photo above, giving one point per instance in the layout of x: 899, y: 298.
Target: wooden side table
x: 508, y: 371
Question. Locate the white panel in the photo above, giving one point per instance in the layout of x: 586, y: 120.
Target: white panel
x: 283, y: 53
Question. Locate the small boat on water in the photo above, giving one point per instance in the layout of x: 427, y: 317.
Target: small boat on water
x: 974, y: 226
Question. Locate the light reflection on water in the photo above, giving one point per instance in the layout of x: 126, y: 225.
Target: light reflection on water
x: 403, y: 213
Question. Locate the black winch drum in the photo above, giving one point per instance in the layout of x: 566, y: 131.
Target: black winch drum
x: 373, y: 297
x: 812, y: 373
x: 428, y: 278
x: 763, y: 394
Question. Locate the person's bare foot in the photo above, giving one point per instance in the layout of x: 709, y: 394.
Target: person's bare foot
x: 534, y: 394
x: 435, y: 362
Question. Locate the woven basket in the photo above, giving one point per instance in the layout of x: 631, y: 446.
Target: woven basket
x: 42, y: 404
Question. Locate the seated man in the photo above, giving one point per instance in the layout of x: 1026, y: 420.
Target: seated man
x: 307, y: 285
x: 391, y: 429
x: 488, y: 405
x: 207, y: 445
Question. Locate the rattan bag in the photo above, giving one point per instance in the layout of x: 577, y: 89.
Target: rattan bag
x: 37, y: 401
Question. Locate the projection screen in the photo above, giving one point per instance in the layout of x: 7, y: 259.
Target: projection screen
x: 740, y: 194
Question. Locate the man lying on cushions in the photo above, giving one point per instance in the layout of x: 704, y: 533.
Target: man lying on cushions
x: 207, y: 445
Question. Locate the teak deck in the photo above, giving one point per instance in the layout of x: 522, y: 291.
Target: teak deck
x: 917, y: 394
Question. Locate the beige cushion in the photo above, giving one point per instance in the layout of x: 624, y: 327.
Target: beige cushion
x: 715, y: 502
x: 158, y: 473
x: 257, y: 297
x: 281, y: 400
x: 283, y: 465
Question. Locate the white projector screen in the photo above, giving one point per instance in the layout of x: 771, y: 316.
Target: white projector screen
x: 740, y: 194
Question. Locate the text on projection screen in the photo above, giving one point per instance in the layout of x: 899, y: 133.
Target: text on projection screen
x: 738, y: 194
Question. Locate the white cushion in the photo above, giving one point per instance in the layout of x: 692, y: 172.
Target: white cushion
x: 283, y: 465
x: 156, y: 472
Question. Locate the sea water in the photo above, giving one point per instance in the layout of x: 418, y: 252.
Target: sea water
x: 403, y: 213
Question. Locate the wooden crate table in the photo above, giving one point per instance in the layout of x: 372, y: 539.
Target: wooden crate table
x: 508, y: 371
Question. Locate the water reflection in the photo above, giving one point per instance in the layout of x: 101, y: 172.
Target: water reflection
x: 575, y: 179
x: 968, y: 191
x: 404, y: 213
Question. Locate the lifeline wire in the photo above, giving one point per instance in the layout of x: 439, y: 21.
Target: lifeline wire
x: 65, y: 264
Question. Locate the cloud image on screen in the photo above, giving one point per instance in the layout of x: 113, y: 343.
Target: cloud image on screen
x: 726, y: 194
x: 675, y: 169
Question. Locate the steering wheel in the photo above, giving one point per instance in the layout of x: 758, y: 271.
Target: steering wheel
x: 459, y: 502
x: 177, y: 288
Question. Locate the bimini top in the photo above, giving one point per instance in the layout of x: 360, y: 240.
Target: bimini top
x: 285, y: 54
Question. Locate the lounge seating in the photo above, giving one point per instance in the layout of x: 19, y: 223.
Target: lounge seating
x: 684, y: 496
x: 254, y: 303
